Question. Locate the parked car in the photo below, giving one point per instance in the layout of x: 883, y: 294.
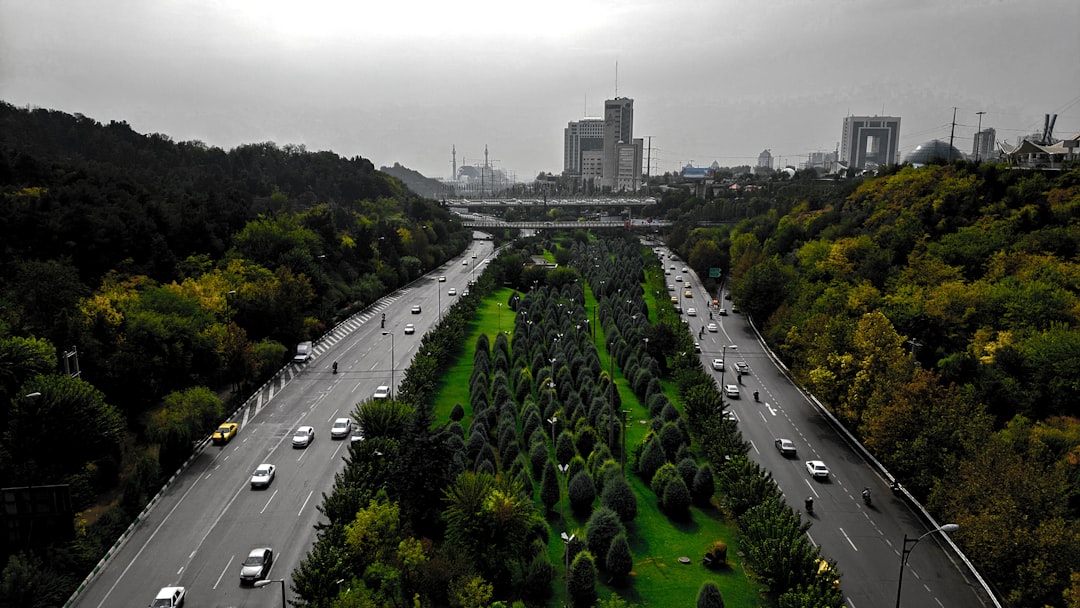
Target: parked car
x: 786, y: 447
x: 263, y: 476
x: 257, y: 565
x: 303, y: 437
x: 341, y: 428
x: 169, y: 597
x: 718, y: 364
x: 225, y: 433
x: 817, y: 469
x: 732, y: 391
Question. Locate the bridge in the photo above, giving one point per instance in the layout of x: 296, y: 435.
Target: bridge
x: 590, y: 224
x: 511, y: 203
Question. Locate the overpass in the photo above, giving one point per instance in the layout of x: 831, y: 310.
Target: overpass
x: 591, y: 224
x: 511, y: 203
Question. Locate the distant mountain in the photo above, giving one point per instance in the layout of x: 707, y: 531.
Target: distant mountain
x: 424, y: 186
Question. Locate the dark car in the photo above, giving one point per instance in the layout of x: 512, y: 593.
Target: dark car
x: 257, y: 565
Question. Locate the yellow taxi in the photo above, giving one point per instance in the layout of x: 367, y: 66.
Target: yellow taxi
x: 224, y: 433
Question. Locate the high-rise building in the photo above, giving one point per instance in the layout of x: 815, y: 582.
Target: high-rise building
x: 765, y: 159
x: 870, y: 141
x: 983, y: 146
x: 579, y: 137
x: 618, y: 129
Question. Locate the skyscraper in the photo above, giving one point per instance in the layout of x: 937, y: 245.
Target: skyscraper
x: 870, y: 141
x: 765, y: 159
x: 579, y: 137
x: 983, y: 147
x: 618, y: 129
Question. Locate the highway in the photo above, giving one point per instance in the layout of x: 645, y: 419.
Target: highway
x: 203, y: 524
x: 866, y: 542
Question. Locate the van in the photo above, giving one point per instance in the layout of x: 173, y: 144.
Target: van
x: 303, y: 352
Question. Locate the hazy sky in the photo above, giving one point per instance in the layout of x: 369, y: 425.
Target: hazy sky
x: 397, y: 81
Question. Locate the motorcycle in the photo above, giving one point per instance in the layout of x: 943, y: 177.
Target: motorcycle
x: 756, y: 397
x: 866, y: 496
x: 335, y: 367
x: 810, y: 505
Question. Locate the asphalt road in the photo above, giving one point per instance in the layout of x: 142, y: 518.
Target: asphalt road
x: 866, y: 542
x: 203, y: 525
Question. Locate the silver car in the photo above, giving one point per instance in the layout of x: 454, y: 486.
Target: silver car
x: 263, y: 476
x: 303, y: 437
x: 341, y: 429
x: 257, y: 565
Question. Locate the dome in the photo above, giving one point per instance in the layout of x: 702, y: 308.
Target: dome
x: 933, y: 150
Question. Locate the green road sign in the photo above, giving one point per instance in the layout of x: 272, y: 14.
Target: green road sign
x: 714, y: 273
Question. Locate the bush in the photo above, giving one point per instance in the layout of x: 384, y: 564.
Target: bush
x: 538, y: 578
x: 662, y: 477
x: 704, y: 485
x: 549, y: 486
x: 620, y: 498
x: 716, y: 556
x: 652, y: 458
x: 603, y: 526
x: 619, y: 560
x: 564, y: 448
x: 709, y: 596
x: 581, y: 580
x: 676, y: 501
x: 582, y: 493
x: 458, y: 413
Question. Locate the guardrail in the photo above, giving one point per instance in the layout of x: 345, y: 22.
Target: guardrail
x: 851, y: 440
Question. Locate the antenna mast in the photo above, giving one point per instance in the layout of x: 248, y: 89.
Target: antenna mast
x: 616, y: 79
x: 453, y: 154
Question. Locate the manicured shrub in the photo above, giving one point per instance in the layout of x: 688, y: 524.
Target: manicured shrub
x: 620, y: 498
x: 676, y: 501
x: 549, y: 486
x: 582, y: 493
x: 709, y: 596
x: 704, y: 485
x: 538, y: 457
x: 687, y: 470
x: 457, y: 413
x: 671, y: 438
x: 619, y: 561
x: 663, y: 476
x: 582, y: 580
x: 652, y: 458
x: 539, y: 575
x: 603, y: 526
x: 564, y: 448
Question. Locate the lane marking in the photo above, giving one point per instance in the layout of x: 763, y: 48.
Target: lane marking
x: 223, y: 571
x: 271, y: 499
x: 301, y: 511
x: 848, y: 538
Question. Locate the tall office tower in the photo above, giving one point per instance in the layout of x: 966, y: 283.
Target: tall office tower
x: 618, y: 129
x: 870, y: 141
x: 983, y: 146
x: 579, y: 137
x: 628, y: 165
x: 765, y: 159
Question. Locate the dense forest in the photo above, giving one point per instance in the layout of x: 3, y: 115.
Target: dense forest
x: 170, y: 275
x: 936, y: 312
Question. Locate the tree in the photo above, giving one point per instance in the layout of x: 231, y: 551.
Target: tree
x: 550, y: 489
x: 709, y: 596
x: 184, y: 417
x: 582, y: 493
x: 581, y: 580
x: 619, y: 561
x: 620, y: 498
x: 602, y: 527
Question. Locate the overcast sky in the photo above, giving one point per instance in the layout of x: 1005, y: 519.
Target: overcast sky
x: 398, y: 81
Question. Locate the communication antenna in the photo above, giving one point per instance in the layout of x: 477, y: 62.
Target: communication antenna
x: 616, y: 79
x: 453, y: 153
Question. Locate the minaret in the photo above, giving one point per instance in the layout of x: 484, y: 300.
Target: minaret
x: 453, y: 154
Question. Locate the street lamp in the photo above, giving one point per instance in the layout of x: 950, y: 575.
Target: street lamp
x: 552, y: 422
x: 624, y: 429
x: 563, y: 468
x: 268, y: 581
x: 392, y: 384
x: 907, y: 551
x: 499, y: 316
x: 566, y: 541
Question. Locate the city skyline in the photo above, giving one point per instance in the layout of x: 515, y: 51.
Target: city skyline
x: 711, y: 81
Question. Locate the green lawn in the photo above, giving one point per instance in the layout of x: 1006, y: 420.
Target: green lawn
x: 657, y: 543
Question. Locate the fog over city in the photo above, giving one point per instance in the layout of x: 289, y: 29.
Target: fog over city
x: 712, y: 80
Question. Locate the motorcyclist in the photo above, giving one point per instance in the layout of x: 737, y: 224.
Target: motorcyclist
x: 335, y: 367
x: 866, y: 495
x: 756, y: 396
x: 383, y: 322
x: 809, y: 504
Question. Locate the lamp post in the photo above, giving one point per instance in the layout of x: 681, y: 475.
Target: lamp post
x: 626, y: 426
x: 268, y: 581
x: 552, y: 422
x: 392, y: 385
x: 563, y: 468
x: 499, y: 316
x: 566, y: 541
x: 909, y: 545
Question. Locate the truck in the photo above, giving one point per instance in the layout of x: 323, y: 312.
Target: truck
x: 303, y: 352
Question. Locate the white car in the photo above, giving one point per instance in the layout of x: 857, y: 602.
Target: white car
x: 718, y: 364
x: 381, y: 392
x: 732, y: 391
x: 742, y: 368
x: 442, y: 279
x: 464, y: 262
x: 303, y: 437
x: 169, y: 597
x: 416, y: 309
x: 712, y: 327
x: 671, y: 287
x: 410, y: 328
x: 341, y: 428
x: 691, y: 312
x: 451, y: 292
x: 722, y: 312
x: 817, y: 469
x: 685, y: 269
x: 263, y: 476
x: 678, y: 279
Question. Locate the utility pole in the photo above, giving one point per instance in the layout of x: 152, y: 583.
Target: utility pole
x: 952, y: 131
